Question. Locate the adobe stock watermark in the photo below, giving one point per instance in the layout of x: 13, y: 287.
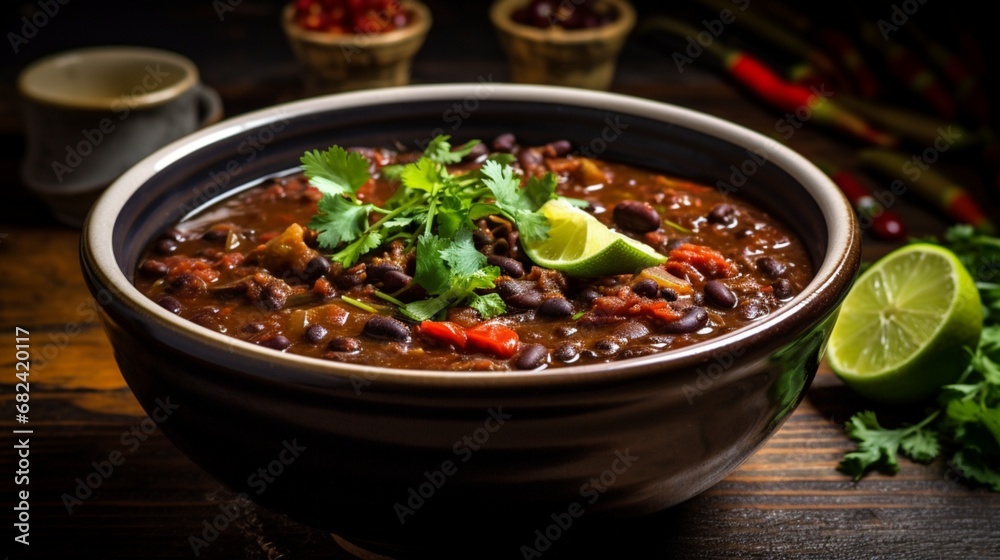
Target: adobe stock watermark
x: 456, y: 115
x: 435, y: 479
x: 131, y: 439
x: 259, y: 480
x: 590, y: 492
x: 899, y: 15
x: 709, y: 374
x: 713, y: 29
x: 249, y: 149
x: 92, y: 138
x: 31, y: 25
x: 913, y: 170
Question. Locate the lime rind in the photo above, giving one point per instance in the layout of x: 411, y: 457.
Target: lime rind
x: 907, y: 325
x: 578, y: 244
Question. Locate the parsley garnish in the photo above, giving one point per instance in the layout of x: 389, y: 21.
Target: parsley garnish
x: 433, y: 211
x: 966, y: 422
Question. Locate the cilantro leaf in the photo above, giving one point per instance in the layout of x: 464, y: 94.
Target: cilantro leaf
x: 336, y: 170
x: 440, y: 151
x: 488, y: 305
x: 431, y: 271
x: 339, y: 220
x: 878, y: 446
x: 462, y: 256
x: 520, y: 205
x: 424, y: 175
x: 973, y: 466
x: 350, y: 254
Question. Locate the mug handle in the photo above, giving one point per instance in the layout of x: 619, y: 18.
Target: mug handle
x: 209, y: 106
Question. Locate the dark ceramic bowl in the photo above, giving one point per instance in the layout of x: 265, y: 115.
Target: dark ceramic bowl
x: 410, y: 459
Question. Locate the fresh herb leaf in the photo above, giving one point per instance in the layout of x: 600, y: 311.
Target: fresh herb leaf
x: 878, y: 446
x: 974, y: 466
x: 488, y: 305
x: 520, y: 205
x: 462, y: 256
x: 431, y: 272
x: 336, y: 170
x: 339, y: 220
x: 440, y: 151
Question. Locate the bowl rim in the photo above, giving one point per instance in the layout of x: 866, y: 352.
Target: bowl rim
x: 832, y: 276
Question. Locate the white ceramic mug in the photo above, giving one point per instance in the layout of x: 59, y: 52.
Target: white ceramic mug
x: 92, y: 113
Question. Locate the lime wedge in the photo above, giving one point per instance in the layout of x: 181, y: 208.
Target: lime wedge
x: 907, y: 326
x: 580, y: 245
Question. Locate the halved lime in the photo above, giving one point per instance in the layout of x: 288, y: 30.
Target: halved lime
x: 907, y: 326
x: 580, y: 245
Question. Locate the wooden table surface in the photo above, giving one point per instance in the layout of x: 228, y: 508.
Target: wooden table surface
x: 786, y: 501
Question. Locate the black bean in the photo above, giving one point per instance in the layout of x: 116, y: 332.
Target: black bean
x: 558, y: 148
x: 344, y: 344
x: 636, y: 216
x: 630, y: 330
x: 501, y: 247
x: 253, y: 328
x: 170, y: 304
x: 669, y: 294
x: 556, y: 307
x: 528, y: 299
x: 349, y: 280
x: 771, y: 267
x: 173, y: 234
x: 386, y: 328
x: 752, y: 310
x: 723, y: 214
x: 529, y: 158
x: 395, y: 280
x: 783, y: 289
x: 316, y: 267
x: 504, y: 143
x: 510, y: 267
x: 567, y: 353
x: 481, y: 238
x: 646, y: 287
x: 478, y: 151
x: 276, y: 342
x: 186, y: 283
x: 588, y: 295
x: 166, y: 246
x: 608, y: 345
x: 720, y: 294
x: 154, y: 269
x: 375, y: 272
x: 694, y: 319
x: 532, y: 356
x: 314, y: 333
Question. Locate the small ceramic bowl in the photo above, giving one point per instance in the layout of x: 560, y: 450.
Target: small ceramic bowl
x: 372, y: 59
x: 92, y: 113
x: 416, y: 460
x: 584, y: 58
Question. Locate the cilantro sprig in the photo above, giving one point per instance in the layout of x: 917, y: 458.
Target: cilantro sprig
x: 433, y: 211
x: 965, y: 424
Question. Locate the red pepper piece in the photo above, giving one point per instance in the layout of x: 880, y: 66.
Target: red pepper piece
x: 445, y: 331
x: 493, y: 338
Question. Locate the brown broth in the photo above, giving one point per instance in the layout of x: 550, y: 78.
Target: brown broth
x: 202, y: 267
